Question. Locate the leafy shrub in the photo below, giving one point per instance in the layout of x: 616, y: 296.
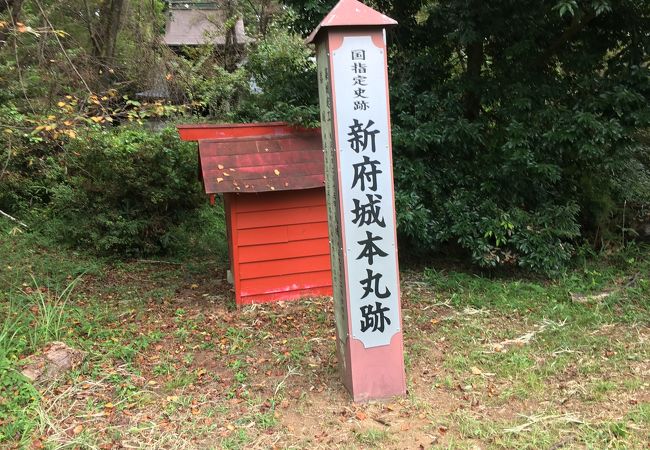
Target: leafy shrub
x: 201, y: 233
x: 514, y: 137
x: 207, y: 85
x: 284, y: 70
x: 276, y: 83
x: 29, y: 166
x: 18, y: 398
x: 18, y: 403
x: 511, y: 193
x: 124, y: 191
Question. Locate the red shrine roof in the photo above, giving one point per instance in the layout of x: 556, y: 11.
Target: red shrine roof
x: 350, y: 13
x: 263, y: 163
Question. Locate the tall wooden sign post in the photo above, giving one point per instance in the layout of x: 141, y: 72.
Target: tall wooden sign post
x: 355, y: 122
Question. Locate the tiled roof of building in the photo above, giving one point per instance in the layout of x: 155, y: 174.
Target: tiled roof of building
x: 200, y: 26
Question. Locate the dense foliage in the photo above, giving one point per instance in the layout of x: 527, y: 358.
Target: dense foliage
x: 520, y: 127
x: 113, y: 191
x: 124, y: 190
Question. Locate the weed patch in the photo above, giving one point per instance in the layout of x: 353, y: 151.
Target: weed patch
x: 493, y: 362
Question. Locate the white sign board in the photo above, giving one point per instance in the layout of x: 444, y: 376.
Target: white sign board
x: 361, y: 111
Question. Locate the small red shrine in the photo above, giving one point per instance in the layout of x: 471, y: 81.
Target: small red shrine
x: 271, y: 177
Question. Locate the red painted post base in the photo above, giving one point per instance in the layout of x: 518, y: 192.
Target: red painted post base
x: 374, y: 373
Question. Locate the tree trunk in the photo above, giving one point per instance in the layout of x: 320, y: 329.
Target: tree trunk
x: 472, y: 96
x: 103, y: 34
x: 577, y: 25
x: 265, y: 16
x: 112, y: 27
x: 14, y: 7
x: 230, y: 49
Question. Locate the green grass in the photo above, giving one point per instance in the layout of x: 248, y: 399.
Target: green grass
x: 372, y: 437
x: 167, y: 365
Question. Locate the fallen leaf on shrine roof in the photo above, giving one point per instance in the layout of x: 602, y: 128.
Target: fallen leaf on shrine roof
x: 220, y: 166
x: 219, y: 180
x: 226, y: 174
x: 276, y: 171
x: 272, y: 188
x: 232, y: 170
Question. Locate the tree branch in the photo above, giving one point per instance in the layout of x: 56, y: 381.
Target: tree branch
x: 67, y: 57
x: 13, y: 219
x: 91, y: 32
x: 577, y: 25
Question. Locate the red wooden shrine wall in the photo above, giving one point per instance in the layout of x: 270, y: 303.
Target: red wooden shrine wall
x: 279, y: 245
x: 271, y: 177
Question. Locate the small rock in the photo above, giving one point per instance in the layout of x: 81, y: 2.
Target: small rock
x: 55, y: 360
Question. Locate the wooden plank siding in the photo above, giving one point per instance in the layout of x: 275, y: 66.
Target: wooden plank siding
x: 280, y: 247
x: 271, y: 177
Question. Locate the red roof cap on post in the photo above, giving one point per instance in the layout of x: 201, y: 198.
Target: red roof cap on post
x: 349, y: 13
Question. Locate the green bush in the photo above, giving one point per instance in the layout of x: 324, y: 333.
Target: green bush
x: 29, y: 165
x: 515, y: 137
x: 18, y: 397
x: 19, y: 400
x: 125, y: 190
x: 201, y: 233
x: 284, y: 70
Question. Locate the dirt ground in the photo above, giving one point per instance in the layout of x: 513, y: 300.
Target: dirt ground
x: 172, y: 364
